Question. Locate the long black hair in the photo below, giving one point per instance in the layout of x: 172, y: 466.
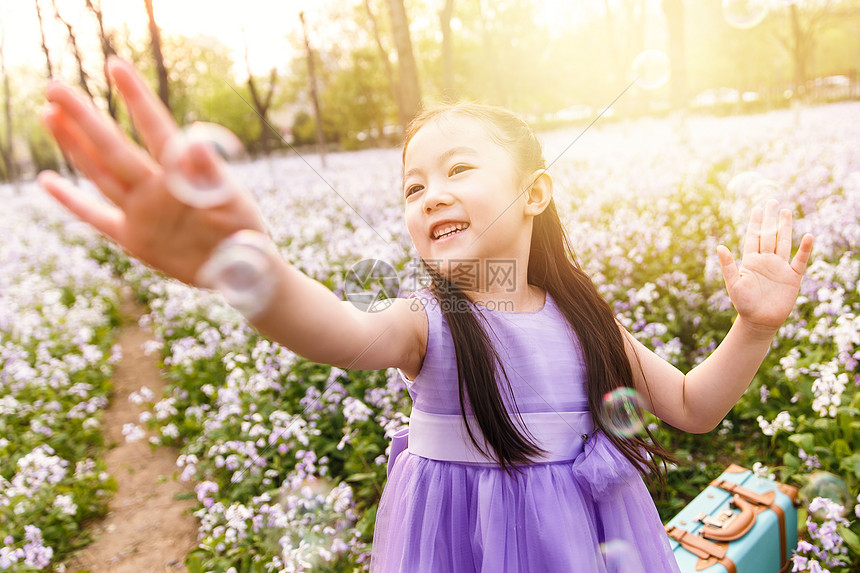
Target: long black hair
x: 553, y: 267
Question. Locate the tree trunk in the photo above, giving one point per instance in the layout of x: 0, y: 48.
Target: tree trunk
x: 312, y: 78
x: 7, y: 150
x: 445, y: 14
x: 73, y: 42
x: 68, y: 164
x: 383, y: 55
x: 410, y: 89
x: 44, y: 42
x: 107, y: 51
x: 674, y: 11
x: 262, y: 103
x: 155, y: 37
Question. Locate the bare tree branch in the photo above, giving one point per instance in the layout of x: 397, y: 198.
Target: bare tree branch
x: 383, y: 55
x: 107, y: 51
x: 262, y: 103
x: 155, y: 43
x: 44, y: 42
x: 82, y: 74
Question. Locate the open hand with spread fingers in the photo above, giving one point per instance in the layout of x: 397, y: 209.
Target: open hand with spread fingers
x: 764, y: 289
x: 144, y: 217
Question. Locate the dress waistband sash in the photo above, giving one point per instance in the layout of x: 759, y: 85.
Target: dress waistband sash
x: 444, y: 436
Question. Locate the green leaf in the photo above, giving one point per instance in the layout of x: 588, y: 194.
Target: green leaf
x: 851, y: 463
x: 805, y: 441
x: 851, y: 538
x: 840, y: 448
x: 361, y: 477
x: 194, y: 563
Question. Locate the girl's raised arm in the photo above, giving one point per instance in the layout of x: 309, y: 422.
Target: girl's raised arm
x: 763, y: 291
x: 146, y: 220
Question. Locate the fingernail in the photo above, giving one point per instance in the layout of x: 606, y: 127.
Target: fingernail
x: 112, y: 62
x: 44, y: 175
x: 47, y: 112
x: 52, y: 85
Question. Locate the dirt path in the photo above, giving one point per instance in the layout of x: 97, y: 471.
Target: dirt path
x: 147, y: 529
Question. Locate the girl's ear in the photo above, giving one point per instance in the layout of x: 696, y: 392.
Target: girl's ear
x: 539, y: 194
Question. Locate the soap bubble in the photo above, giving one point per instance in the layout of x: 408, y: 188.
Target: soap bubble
x: 763, y: 190
x: 827, y: 485
x: 620, y: 412
x: 744, y: 14
x: 241, y: 269
x: 194, y: 174
x: 652, y: 69
x: 620, y: 557
x: 743, y: 183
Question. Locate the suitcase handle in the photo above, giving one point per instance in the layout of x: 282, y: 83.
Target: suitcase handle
x: 737, y: 527
x: 708, y: 553
x: 762, y: 501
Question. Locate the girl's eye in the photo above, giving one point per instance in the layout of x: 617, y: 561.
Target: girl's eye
x: 413, y: 189
x: 459, y: 168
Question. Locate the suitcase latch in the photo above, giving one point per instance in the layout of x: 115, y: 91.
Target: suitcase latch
x: 720, y: 521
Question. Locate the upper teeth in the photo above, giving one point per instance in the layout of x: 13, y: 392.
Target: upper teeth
x: 449, y: 229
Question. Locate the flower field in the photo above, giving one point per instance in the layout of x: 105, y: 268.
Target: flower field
x: 58, y: 310
x: 289, y: 456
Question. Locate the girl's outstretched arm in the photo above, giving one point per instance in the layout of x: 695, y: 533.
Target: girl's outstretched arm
x: 763, y: 291
x: 146, y: 220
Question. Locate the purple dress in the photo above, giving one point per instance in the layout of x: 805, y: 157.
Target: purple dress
x: 447, y: 508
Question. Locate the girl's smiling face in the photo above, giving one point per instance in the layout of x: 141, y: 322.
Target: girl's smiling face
x: 464, y: 196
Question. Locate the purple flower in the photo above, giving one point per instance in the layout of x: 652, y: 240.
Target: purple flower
x: 799, y: 563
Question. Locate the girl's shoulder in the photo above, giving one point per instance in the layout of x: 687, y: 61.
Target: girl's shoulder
x: 415, y: 311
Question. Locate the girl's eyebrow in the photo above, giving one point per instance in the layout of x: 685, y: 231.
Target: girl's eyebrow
x: 462, y: 150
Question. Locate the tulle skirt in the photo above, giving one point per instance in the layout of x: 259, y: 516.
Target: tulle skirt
x: 592, y: 514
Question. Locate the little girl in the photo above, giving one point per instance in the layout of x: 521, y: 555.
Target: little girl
x: 508, y: 466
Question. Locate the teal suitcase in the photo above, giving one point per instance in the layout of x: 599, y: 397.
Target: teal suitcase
x: 739, y: 524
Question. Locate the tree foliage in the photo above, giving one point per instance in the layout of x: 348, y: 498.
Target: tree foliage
x: 521, y: 54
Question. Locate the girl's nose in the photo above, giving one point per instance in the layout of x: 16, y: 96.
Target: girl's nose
x: 435, y: 197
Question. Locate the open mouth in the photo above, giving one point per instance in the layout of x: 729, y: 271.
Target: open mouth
x: 448, y: 230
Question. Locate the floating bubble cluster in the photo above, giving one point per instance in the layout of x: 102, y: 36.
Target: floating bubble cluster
x: 744, y: 14
x: 241, y: 269
x: 651, y: 69
x: 830, y: 486
x: 620, y: 412
x: 620, y: 557
x: 193, y: 173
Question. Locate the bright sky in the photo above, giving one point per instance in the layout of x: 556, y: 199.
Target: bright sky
x: 266, y: 24
x: 261, y: 24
